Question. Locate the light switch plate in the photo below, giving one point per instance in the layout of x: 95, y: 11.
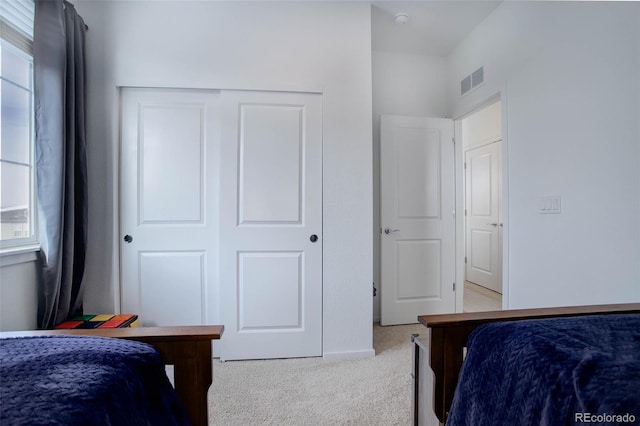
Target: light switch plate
x: 550, y: 205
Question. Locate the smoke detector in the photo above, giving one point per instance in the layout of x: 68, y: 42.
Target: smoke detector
x: 401, y: 18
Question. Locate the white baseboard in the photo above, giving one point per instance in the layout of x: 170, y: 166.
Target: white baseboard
x: 370, y: 353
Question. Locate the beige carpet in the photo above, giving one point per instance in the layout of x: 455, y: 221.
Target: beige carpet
x: 314, y: 391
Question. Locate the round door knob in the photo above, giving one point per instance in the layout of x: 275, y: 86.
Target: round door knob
x: 313, y: 238
x: 128, y: 238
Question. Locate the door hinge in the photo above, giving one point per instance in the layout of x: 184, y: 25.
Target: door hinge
x: 465, y: 165
x: 453, y: 140
x: 465, y: 259
x: 454, y: 286
x: 465, y: 212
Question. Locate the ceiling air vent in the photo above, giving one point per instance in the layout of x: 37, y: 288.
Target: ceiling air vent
x: 465, y: 85
x: 477, y: 77
x: 472, y: 81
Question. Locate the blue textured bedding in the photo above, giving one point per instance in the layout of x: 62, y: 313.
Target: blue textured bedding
x: 69, y: 380
x: 551, y: 372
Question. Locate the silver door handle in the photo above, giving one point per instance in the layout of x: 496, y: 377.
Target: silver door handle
x: 390, y: 231
x: 493, y: 224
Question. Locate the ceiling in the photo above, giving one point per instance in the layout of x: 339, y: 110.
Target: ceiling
x: 434, y: 27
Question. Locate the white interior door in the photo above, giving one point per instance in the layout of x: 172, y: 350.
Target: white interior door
x: 483, y: 216
x: 271, y: 225
x: 417, y: 218
x: 168, y: 205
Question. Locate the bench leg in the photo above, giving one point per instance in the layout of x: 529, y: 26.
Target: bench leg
x: 192, y: 375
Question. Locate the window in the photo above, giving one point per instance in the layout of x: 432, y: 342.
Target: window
x: 17, y: 172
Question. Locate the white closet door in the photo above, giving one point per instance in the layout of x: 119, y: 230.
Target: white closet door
x: 168, y: 205
x: 271, y: 225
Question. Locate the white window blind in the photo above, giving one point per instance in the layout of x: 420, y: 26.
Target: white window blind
x: 17, y: 197
x: 16, y: 23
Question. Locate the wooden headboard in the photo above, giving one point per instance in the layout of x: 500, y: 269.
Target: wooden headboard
x: 187, y: 348
x: 449, y: 334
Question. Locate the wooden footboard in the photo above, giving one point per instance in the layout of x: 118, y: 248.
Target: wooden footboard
x: 188, y: 349
x: 449, y: 334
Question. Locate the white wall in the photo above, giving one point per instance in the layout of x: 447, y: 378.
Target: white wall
x: 18, y: 292
x: 403, y: 84
x: 265, y: 46
x: 569, y: 73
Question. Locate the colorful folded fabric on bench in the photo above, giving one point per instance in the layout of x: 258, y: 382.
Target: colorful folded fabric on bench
x: 100, y: 321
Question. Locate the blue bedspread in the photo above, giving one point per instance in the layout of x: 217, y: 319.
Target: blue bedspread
x: 69, y: 380
x: 550, y: 372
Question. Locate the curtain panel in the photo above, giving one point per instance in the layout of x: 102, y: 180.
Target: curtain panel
x: 61, y: 170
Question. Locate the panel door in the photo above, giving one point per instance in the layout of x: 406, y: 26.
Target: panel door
x: 271, y: 225
x: 484, y: 219
x: 417, y: 218
x: 168, y: 187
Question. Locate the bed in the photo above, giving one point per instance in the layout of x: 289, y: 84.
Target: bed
x: 535, y: 366
x: 108, y: 376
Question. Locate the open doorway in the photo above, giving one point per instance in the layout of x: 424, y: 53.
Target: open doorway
x: 481, y: 133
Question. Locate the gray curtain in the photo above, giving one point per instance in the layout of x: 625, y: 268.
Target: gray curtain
x: 61, y: 171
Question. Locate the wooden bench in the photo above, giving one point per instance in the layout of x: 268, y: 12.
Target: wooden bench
x: 187, y: 348
x: 449, y: 334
